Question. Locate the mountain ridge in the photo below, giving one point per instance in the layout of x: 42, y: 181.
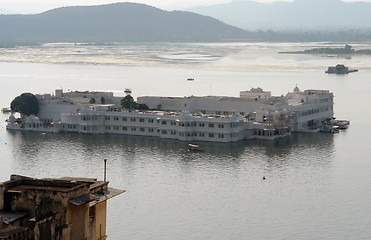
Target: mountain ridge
x: 133, y: 22
x: 297, y: 15
x: 129, y: 22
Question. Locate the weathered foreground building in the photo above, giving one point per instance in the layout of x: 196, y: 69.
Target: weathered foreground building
x: 66, y: 208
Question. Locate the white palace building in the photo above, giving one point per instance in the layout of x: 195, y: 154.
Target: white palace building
x: 254, y: 115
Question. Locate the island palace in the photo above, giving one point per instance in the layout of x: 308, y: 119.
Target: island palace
x: 255, y: 114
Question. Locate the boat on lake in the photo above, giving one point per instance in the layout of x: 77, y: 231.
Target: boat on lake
x: 341, y: 124
x: 194, y: 148
x: 6, y: 110
x: 333, y: 125
x: 127, y: 91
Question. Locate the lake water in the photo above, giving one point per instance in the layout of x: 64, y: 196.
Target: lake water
x: 317, y: 186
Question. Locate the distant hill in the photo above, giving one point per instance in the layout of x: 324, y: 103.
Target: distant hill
x: 128, y: 22
x: 298, y: 15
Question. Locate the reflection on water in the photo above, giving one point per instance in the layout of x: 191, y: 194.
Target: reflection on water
x: 39, y: 150
x: 176, y: 194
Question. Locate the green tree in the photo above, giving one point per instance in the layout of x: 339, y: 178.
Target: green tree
x: 128, y: 102
x: 92, y: 100
x: 143, y: 106
x: 25, y: 104
x: 102, y: 100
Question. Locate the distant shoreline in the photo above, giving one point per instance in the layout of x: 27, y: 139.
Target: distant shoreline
x: 346, y: 51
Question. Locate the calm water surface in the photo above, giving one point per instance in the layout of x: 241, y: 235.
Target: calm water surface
x: 317, y: 185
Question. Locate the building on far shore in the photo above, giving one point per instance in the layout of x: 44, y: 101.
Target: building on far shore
x: 65, y: 208
x: 256, y: 114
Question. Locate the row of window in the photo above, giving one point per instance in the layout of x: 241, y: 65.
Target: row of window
x: 223, y: 113
x: 210, y: 125
x: 314, y: 111
x: 167, y: 132
x: 90, y: 128
x: 34, y: 125
x: 124, y: 128
x: 151, y: 130
x: 194, y: 134
x: 164, y: 122
x: 89, y: 118
x: 323, y: 100
x: 38, y: 125
x: 125, y: 119
x: 270, y: 133
x: 227, y: 113
x: 174, y: 123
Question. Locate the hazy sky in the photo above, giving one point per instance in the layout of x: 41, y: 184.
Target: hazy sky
x: 35, y: 6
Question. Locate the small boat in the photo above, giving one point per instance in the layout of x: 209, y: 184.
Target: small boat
x: 330, y: 129
x: 190, y: 79
x: 6, y: 110
x: 342, y: 124
x: 342, y: 127
x: 194, y: 148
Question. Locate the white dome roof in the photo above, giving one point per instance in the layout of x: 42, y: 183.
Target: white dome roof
x: 296, y: 89
x: 32, y: 119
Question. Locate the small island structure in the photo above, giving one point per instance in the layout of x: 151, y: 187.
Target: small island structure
x: 346, y: 51
x: 340, y: 69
